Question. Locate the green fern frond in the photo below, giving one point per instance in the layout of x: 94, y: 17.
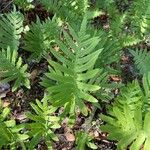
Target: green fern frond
x: 135, y: 95
x: 128, y: 128
x: 125, y: 120
x: 43, y: 125
x: 69, y: 10
x: 24, y: 4
x: 77, y: 57
x: 146, y: 92
x: 40, y: 36
x: 11, y: 27
x: 142, y: 60
x: 140, y: 12
x: 12, y: 69
x: 131, y: 95
x: 11, y: 134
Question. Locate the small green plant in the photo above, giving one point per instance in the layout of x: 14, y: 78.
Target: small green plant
x: 12, y: 69
x: 125, y: 121
x: 86, y: 141
x: 128, y: 127
x: 43, y: 124
x: 11, y: 136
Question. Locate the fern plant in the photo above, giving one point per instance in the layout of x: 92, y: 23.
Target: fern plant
x: 43, y: 124
x: 12, y: 69
x: 10, y: 132
x: 40, y: 36
x: 77, y: 57
x: 87, y: 140
x: 11, y: 27
x: 128, y: 127
x: 125, y: 121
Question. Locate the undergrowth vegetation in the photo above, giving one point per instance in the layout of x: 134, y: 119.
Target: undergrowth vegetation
x: 83, y: 43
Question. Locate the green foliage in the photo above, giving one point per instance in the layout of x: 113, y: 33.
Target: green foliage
x: 125, y: 120
x: 105, y: 59
x: 130, y: 23
x: 40, y: 36
x: 146, y: 92
x: 74, y: 71
x: 128, y: 127
x: 131, y: 95
x: 67, y: 9
x: 86, y: 141
x: 141, y: 58
x: 10, y: 132
x: 11, y: 27
x: 140, y: 12
x: 43, y: 124
x: 81, y: 60
x: 24, y: 4
x: 12, y: 69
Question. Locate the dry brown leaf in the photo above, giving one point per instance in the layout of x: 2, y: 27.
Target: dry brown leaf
x: 6, y: 104
x: 70, y: 137
x: 34, y: 74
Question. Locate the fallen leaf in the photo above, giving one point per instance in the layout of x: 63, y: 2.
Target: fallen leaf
x: 34, y: 74
x: 6, y: 104
x: 70, y: 136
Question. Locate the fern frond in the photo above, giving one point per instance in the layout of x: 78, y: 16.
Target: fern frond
x: 129, y: 130
x: 131, y: 95
x: 146, y: 92
x: 12, y: 69
x: 77, y: 57
x: 142, y: 60
x: 40, y: 36
x: 43, y: 124
x: 24, y: 4
x: 140, y: 12
x: 69, y: 10
x: 11, y: 27
x: 125, y: 120
x: 10, y: 132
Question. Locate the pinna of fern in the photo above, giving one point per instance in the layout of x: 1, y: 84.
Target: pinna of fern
x: 71, y: 75
x: 141, y: 59
x: 11, y: 27
x: 12, y: 69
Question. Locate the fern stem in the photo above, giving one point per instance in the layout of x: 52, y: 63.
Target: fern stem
x: 89, y: 120
x: 23, y: 146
